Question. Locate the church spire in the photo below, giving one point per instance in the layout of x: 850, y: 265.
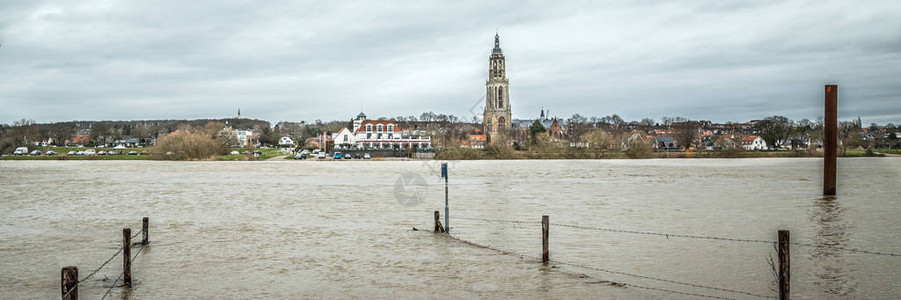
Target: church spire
x: 497, y: 45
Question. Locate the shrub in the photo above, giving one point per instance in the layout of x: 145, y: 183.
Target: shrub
x: 183, y: 145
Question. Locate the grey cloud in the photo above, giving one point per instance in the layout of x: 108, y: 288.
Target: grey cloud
x: 718, y: 60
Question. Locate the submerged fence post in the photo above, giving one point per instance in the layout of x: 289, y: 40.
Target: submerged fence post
x: 545, y: 224
x: 438, y: 227
x: 145, y: 238
x: 784, y: 265
x: 830, y: 137
x: 68, y: 283
x: 126, y: 257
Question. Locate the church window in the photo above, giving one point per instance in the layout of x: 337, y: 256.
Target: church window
x: 501, y: 122
x: 500, y: 97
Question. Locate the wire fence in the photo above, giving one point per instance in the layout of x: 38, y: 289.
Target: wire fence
x: 72, y: 287
x: 526, y: 256
x: 713, y: 289
x: 115, y: 282
x: 687, y: 236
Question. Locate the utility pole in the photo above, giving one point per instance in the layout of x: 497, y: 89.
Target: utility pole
x: 446, y: 207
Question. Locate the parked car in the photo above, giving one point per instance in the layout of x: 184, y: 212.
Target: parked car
x: 321, y: 154
x: 21, y: 151
x: 144, y: 153
x: 51, y: 152
x: 90, y: 152
x: 36, y: 152
x: 257, y: 152
x: 348, y: 156
x: 71, y: 153
x: 112, y: 152
x: 101, y: 152
x: 366, y: 156
x: 316, y: 151
x: 300, y: 156
x: 79, y: 153
x: 234, y: 152
x: 132, y: 152
x: 337, y: 155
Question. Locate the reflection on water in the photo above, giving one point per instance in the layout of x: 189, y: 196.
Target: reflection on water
x: 833, y: 272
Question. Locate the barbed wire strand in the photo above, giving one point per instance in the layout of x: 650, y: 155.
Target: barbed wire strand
x: 110, y: 289
x: 662, y: 280
x: 92, y: 273
x: 689, y: 236
x: 523, y: 256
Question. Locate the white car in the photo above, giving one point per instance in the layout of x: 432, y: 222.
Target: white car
x: 366, y: 156
x: 90, y: 152
x: 322, y: 154
x: 21, y: 151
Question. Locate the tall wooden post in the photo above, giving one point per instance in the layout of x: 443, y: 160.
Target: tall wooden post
x: 784, y: 265
x: 126, y: 257
x: 145, y: 238
x: 545, y: 225
x: 68, y: 283
x: 830, y: 137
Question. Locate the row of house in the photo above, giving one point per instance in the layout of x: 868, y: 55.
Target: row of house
x: 379, y: 134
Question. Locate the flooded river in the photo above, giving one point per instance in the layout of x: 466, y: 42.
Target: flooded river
x: 307, y: 229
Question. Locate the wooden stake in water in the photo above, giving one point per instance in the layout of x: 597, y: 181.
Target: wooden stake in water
x: 145, y: 238
x: 830, y: 137
x: 545, y: 226
x: 784, y: 265
x: 126, y: 255
x: 68, y: 283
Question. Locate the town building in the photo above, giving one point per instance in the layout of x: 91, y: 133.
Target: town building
x: 379, y: 134
x: 497, y: 117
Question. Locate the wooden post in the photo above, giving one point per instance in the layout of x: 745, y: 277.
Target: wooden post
x: 830, y: 137
x: 68, y: 281
x: 146, y: 233
x: 545, y: 224
x: 784, y: 265
x: 126, y: 257
x: 438, y: 227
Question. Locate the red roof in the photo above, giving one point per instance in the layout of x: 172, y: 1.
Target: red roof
x: 375, y: 123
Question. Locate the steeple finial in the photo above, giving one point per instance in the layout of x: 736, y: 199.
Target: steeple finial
x: 497, y: 45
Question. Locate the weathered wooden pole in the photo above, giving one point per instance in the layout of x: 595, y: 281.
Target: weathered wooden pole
x: 438, y: 227
x: 784, y: 265
x: 126, y: 257
x: 68, y: 283
x: 830, y: 138
x: 545, y: 225
x: 146, y: 233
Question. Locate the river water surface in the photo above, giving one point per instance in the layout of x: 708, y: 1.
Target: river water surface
x: 308, y: 229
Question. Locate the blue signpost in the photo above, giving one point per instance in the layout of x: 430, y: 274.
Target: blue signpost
x: 446, y: 209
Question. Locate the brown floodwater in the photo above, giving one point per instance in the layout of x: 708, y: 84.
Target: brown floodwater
x: 308, y: 229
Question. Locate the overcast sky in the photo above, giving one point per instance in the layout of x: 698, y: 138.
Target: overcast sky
x: 305, y: 60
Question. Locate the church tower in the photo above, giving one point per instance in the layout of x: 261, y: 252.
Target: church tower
x: 497, y: 100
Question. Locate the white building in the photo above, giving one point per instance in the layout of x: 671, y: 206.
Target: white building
x: 753, y: 142
x: 244, y: 137
x: 378, y: 134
